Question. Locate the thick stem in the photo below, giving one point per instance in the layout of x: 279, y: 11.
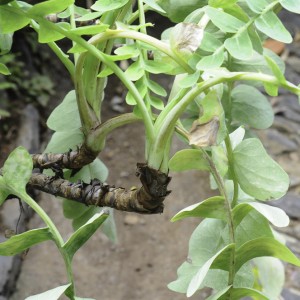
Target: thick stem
x: 148, y: 199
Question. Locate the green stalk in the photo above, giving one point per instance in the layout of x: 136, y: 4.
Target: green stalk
x: 73, y: 26
x: 105, y: 59
x: 220, y: 183
x: 130, y: 34
x: 168, y: 117
x: 58, y: 52
x: 56, y: 237
x: 96, y: 137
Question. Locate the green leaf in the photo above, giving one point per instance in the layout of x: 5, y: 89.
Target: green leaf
x: 264, y: 247
x: 66, y: 115
x: 17, y: 169
x: 270, y: 25
x: 223, y: 256
x: 156, y: 102
x: 275, y: 69
x: 53, y: 294
x: 210, y: 43
x: 224, y: 21
x: 237, y: 136
x: 240, y: 46
x: 271, y: 89
x: 141, y: 87
x: 135, y: 71
x: 63, y: 141
x: 273, y: 214
x: 20, y: 242
x: 211, y: 61
x: 189, y: 80
x: 156, y: 88
x: 177, y: 11
x: 237, y: 293
x: 12, y: 19
x: 127, y: 50
x: 3, y: 191
x: 5, y: 43
x: 251, y: 107
x: 105, y: 72
x: 154, y: 5
x: 49, y: 7
x: 47, y: 36
x: 82, y: 234
x: 188, y: 159
x: 270, y: 273
x: 257, y: 6
x: 4, y: 70
x: 156, y: 67
x: 221, y: 3
x: 90, y: 29
x: 258, y: 174
x: 213, y: 207
x: 107, y: 5
x: 291, y: 5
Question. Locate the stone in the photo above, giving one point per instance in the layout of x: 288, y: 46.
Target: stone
x: 282, y: 124
x: 290, y: 203
x: 290, y: 294
x: 131, y: 219
x: 278, y: 142
x: 294, y: 63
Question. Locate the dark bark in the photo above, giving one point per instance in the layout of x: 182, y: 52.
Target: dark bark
x: 148, y: 199
x: 74, y: 159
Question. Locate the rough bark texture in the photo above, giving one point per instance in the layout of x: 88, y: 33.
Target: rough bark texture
x: 70, y: 160
x: 148, y: 199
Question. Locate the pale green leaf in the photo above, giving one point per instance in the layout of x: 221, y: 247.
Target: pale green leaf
x: 224, y: 21
x: 257, y: 6
x: 20, y: 242
x: 240, y: 45
x: 273, y: 214
x: 135, y: 71
x: 156, y: 102
x: 47, y: 36
x: 211, y: 61
x: 90, y: 29
x: 153, y: 4
x: 105, y: 72
x: 127, y: 50
x: 271, y: 89
x: 156, y: 67
x: 82, y: 234
x: 66, y: 115
x: 258, y: 174
x: 188, y: 159
x: 49, y: 7
x: 223, y: 256
x: 5, y: 42
x: 291, y: 5
x: 12, y: 19
x: 251, y: 107
x: 264, y: 247
x: 238, y: 293
x: 213, y: 207
x: 17, y: 169
x: 189, y: 80
x: 63, y: 141
x: 89, y: 16
x: 53, y: 294
x: 270, y: 273
x: 156, y: 88
x: 4, y: 70
x: 221, y: 3
x: 270, y: 25
x: 210, y: 43
x: 275, y: 69
x: 3, y: 191
x: 236, y: 137
x: 107, y: 5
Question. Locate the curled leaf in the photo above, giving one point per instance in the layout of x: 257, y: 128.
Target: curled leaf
x: 204, y: 135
